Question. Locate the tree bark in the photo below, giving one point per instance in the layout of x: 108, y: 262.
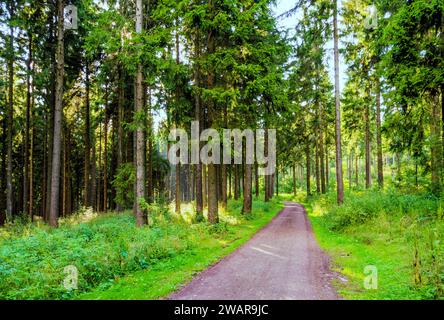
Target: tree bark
x: 367, y: 147
x: 141, y: 217
x: 10, y: 116
x: 308, y: 160
x: 87, y: 178
x: 27, y: 129
x: 379, y: 135
x: 213, y: 214
x: 318, y: 180
x: 247, y: 189
x: 55, y: 174
x: 436, y: 148
x: 339, y: 178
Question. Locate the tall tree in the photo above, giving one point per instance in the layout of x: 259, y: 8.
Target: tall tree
x: 339, y: 178
x: 58, y: 113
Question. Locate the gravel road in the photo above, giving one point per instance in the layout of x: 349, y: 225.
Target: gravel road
x: 281, y: 262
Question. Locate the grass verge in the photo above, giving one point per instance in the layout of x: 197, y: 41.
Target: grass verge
x: 400, y: 235
x: 116, y: 260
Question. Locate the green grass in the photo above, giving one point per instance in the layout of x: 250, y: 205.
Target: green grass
x: 384, y: 230
x: 115, y: 260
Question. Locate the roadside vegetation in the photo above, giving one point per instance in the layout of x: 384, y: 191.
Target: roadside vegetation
x: 116, y: 260
x: 402, y: 235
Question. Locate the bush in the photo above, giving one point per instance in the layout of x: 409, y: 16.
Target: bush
x: 365, y: 206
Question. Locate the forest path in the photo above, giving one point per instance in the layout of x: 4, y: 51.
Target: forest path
x: 281, y: 262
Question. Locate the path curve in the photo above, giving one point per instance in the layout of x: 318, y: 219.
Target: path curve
x: 281, y: 262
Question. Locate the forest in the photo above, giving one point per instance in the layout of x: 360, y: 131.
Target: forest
x: 91, y: 89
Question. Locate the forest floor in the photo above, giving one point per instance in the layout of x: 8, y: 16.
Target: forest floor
x: 281, y: 262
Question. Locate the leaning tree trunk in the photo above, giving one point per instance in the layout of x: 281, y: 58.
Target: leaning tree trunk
x: 56, y: 152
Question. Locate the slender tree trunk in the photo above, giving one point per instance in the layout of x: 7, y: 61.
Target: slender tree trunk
x: 318, y: 180
x: 105, y: 156
x: 294, y: 180
x: 150, y: 184
x: 308, y: 159
x: 256, y: 178
x: 339, y: 178
x: 198, y: 114
x: 213, y: 214
x: 178, y: 166
x: 357, y: 172
x: 10, y: 116
x: 436, y: 148
x: 379, y: 135
x: 327, y: 170
x: 98, y: 203
x: 204, y: 186
x: 121, y: 101
x: 87, y: 178
x: 321, y: 148
x: 367, y: 147
x: 55, y: 176
x: 141, y: 216
x: 27, y: 128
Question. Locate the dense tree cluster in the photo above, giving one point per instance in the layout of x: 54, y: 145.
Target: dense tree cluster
x: 77, y: 107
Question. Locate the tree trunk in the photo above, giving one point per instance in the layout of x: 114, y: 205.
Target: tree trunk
x: 256, y: 178
x: 141, y: 216
x: 379, y: 135
x: 321, y: 148
x: 120, y: 119
x: 213, y: 214
x: 367, y: 147
x: 105, y: 156
x: 308, y: 159
x: 436, y: 148
x: 27, y: 129
x: 247, y: 189
x: 87, y: 178
x: 339, y: 179
x: 204, y: 186
x: 198, y: 114
x: 56, y: 153
x: 318, y: 180
x: 9, y: 191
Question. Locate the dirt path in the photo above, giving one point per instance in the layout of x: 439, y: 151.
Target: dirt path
x: 282, y: 261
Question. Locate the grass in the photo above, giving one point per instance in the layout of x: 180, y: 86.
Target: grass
x: 114, y: 259
x: 401, y: 235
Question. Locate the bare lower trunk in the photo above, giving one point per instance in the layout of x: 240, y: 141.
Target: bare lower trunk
x: 141, y: 217
x: 367, y: 147
x: 56, y: 154
x: 378, y: 135
x: 247, y: 189
x: 9, y: 191
x: 339, y: 178
x: 308, y: 160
